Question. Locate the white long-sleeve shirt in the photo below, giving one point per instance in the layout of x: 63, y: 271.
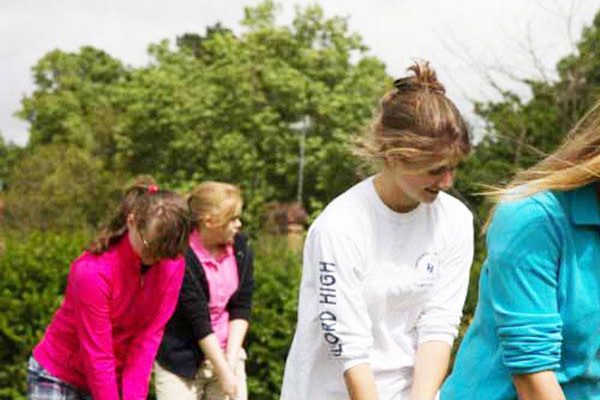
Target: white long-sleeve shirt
x: 375, y: 283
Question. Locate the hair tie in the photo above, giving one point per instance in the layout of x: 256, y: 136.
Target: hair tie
x: 403, y: 84
x: 153, y: 189
x: 412, y: 84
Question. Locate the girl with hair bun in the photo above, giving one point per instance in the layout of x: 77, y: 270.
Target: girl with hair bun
x: 386, y: 264
x: 120, y: 294
x: 201, y: 355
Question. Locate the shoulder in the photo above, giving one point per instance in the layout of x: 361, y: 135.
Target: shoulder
x: 92, y: 267
x: 91, y: 277
x: 241, y: 242
x: 543, y: 208
x: 453, y: 207
x: 173, y: 266
x: 452, y: 215
x: 522, y: 224
x: 347, y: 213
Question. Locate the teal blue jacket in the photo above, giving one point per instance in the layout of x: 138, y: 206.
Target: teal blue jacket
x: 539, y: 300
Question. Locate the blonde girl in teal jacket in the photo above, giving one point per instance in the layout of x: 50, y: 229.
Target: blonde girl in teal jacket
x: 536, y: 330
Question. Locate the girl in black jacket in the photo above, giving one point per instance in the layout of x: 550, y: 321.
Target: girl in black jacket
x: 201, y: 355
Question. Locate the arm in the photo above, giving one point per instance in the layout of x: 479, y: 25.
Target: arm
x: 143, y: 348
x: 213, y: 352
x: 431, y: 366
x: 333, y: 267
x: 438, y: 323
x: 240, y: 304
x: 524, y: 256
x: 91, y: 292
x: 538, y: 386
x: 360, y: 383
x: 237, y: 333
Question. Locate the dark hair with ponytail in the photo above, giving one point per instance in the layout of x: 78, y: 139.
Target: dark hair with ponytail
x: 162, y: 216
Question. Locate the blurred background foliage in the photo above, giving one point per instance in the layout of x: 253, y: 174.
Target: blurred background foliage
x: 226, y: 106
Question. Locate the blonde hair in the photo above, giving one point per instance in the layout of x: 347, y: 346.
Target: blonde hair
x: 416, y: 124
x: 219, y: 200
x: 574, y: 164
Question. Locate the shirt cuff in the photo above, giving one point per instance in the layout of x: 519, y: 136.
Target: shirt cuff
x: 531, y: 344
x: 354, y: 362
x: 437, y: 337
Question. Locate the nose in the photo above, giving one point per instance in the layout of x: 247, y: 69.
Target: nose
x: 238, y: 223
x: 446, y: 179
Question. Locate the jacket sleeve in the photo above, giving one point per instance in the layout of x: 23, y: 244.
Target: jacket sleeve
x: 91, y: 292
x: 240, y: 304
x: 524, y: 245
x: 333, y: 273
x: 193, y: 301
x: 143, y: 348
x: 441, y: 314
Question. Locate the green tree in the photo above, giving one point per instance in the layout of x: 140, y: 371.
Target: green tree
x: 521, y: 132
x: 76, y: 101
x: 9, y: 154
x: 59, y: 187
x: 219, y: 106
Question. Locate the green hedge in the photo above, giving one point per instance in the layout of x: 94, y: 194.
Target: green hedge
x: 277, y: 274
x: 32, y: 279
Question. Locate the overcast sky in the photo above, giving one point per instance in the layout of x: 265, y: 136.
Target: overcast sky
x: 464, y: 39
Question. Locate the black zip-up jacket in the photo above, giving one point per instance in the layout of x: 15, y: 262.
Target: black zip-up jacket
x: 179, y: 351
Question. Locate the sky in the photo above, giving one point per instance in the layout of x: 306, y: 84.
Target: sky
x: 467, y: 41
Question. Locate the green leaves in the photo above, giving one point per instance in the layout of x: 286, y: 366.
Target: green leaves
x: 58, y: 187
x: 33, y: 272
x: 277, y: 274
x: 218, y: 106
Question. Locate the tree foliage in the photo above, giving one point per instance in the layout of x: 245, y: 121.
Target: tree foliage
x: 59, y: 187
x: 521, y: 132
x: 219, y: 106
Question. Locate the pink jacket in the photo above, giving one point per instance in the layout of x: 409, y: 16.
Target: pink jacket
x: 105, y: 335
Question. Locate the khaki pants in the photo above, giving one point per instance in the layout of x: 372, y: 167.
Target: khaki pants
x: 204, y: 386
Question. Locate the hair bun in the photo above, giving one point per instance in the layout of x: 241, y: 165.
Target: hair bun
x: 424, y: 79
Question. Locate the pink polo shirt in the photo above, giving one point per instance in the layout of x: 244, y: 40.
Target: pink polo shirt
x: 105, y: 335
x: 222, y: 276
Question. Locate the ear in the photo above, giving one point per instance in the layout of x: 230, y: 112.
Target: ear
x: 209, y: 221
x: 130, y: 220
x: 389, y: 161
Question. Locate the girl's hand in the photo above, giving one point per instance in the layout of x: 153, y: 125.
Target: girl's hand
x: 232, y: 360
x: 228, y: 382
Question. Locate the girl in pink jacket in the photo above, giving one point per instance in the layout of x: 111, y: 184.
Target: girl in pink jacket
x: 120, y: 293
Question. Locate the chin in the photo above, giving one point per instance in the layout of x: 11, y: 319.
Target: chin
x: 429, y: 197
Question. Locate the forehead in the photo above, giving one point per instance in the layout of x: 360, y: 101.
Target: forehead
x: 230, y: 205
x: 424, y: 165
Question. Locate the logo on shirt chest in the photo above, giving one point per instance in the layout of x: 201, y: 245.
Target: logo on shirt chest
x: 427, y: 269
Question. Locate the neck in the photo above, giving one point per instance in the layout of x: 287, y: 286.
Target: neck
x: 392, y: 195
x: 213, y: 246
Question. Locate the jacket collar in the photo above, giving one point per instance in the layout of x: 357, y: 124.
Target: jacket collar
x: 585, y: 205
x: 203, y: 255
x: 126, y: 255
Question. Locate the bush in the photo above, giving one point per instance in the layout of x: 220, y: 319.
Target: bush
x: 277, y: 274
x: 32, y: 279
